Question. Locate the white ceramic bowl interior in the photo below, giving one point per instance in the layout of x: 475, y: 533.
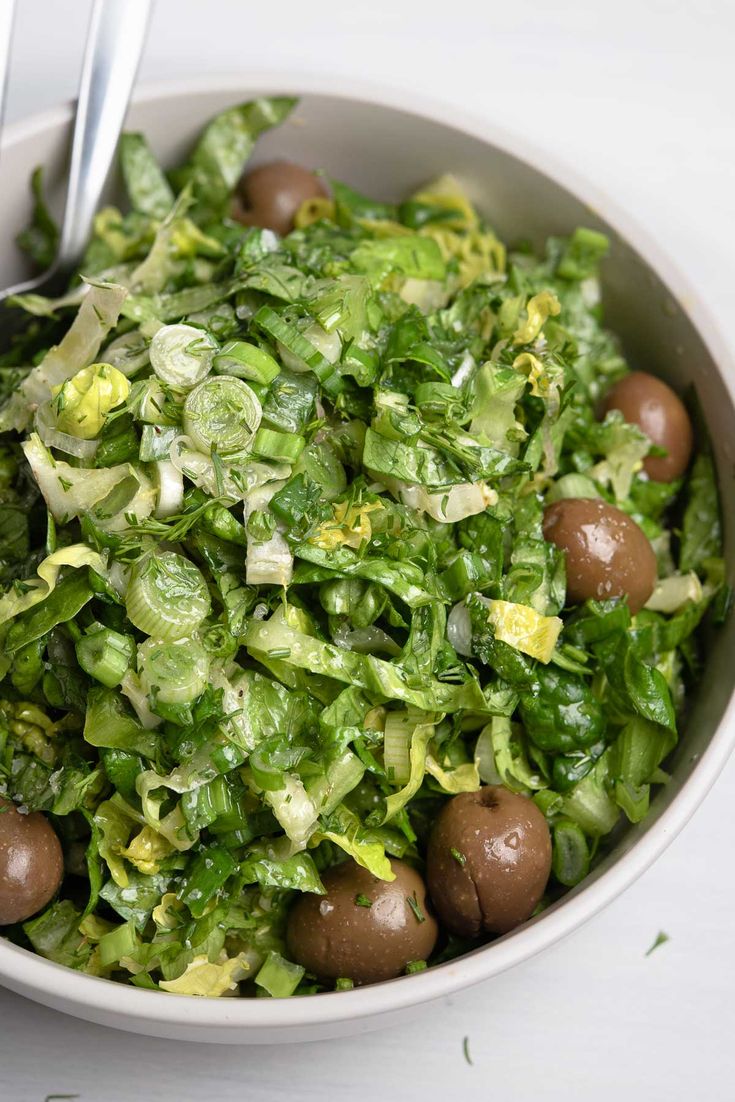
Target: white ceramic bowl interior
x: 367, y: 138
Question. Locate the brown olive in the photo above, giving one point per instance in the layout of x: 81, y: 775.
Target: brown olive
x: 31, y: 863
x: 607, y: 554
x: 649, y: 403
x: 488, y: 861
x: 363, y: 929
x: 270, y: 196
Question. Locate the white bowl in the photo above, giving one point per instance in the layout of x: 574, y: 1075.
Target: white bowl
x: 372, y: 140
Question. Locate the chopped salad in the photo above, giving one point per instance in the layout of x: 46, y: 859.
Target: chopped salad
x: 336, y: 584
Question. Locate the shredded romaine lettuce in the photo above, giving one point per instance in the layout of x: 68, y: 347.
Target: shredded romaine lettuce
x: 97, y: 316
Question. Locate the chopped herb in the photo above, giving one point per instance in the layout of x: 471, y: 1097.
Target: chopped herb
x: 466, y: 1051
x: 458, y: 857
x: 661, y: 939
x: 415, y: 906
x: 219, y: 472
x: 362, y: 900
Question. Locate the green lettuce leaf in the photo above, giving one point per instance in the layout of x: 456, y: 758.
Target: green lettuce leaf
x: 218, y: 159
x: 701, y: 537
x: 24, y: 596
x: 97, y: 315
x: 386, y: 679
x: 147, y: 187
x: 344, y: 829
x: 41, y: 238
x: 409, y: 255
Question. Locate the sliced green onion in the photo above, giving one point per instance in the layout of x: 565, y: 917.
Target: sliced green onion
x: 282, y: 446
x: 298, y: 348
x: 167, y: 596
x: 278, y: 976
x: 156, y: 441
x: 582, y: 253
x: 105, y: 655
x: 218, y: 802
x: 181, y: 355
x: 231, y: 811
x: 246, y: 361
x: 222, y: 415
x: 173, y: 672
x: 396, y: 746
x: 327, y: 344
x: 108, y: 723
x: 570, y: 856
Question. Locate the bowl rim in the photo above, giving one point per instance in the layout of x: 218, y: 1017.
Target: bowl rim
x: 91, y: 996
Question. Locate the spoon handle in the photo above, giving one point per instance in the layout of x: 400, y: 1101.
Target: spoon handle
x: 115, y: 42
x: 7, y: 10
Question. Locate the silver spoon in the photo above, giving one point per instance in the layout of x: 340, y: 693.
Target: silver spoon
x: 115, y: 41
x: 7, y: 10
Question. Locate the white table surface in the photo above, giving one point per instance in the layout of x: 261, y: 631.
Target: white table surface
x: 638, y: 95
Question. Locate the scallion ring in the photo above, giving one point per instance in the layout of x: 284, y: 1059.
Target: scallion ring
x: 181, y: 355
x: 173, y: 671
x: 222, y: 414
x: 284, y: 447
x: 246, y: 361
x: 167, y: 596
